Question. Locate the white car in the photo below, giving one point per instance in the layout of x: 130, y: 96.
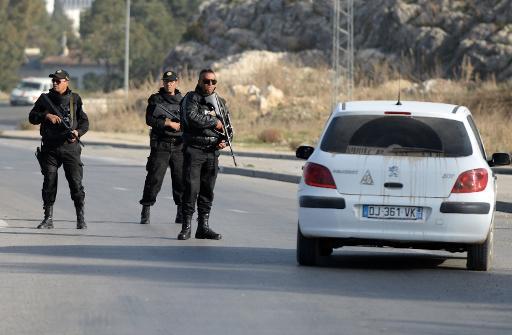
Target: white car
x: 28, y: 90
x: 406, y: 174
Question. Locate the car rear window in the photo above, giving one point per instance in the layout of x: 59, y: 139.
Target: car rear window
x: 397, y: 136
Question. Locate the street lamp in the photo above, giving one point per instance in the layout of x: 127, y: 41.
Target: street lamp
x: 127, y: 49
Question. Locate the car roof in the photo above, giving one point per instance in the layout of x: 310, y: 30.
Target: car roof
x: 433, y: 109
x: 44, y: 80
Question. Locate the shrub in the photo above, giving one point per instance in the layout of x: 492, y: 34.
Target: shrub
x: 270, y: 135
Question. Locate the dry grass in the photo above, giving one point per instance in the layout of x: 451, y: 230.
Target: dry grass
x: 301, y: 115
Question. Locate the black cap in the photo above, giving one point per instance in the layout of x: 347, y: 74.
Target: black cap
x: 170, y: 76
x: 60, y: 74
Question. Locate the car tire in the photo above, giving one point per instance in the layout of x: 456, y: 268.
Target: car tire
x: 308, y: 249
x: 325, y: 248
x: 480, y: 256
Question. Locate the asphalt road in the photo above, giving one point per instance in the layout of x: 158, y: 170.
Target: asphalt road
x: 120, y: 277
x: 10, y: 117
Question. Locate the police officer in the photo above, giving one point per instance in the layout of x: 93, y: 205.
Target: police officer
x: 163, y: 115
x: 63, y: 122
x: 203, y: 140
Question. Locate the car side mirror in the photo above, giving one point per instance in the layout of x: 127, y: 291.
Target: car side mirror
x: 304, y: 151
x: 500, y: 158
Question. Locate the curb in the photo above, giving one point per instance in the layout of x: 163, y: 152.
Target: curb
x: 287, y: 178
x: 502, y: 170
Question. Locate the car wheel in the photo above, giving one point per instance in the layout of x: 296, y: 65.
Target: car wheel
x: 480, y: 256
x: 307, y: 249
x: 325, y: 248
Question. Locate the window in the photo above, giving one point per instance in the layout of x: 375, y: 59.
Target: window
x: 26, y: 85
x: 397, y: 136
x: 477, y: 136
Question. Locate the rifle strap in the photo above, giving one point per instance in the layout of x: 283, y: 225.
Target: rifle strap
x: 72, y: 113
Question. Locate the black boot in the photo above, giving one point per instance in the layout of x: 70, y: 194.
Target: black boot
x: 179, y: 215
x: 203, y: 230
x: 47, y: 222
x: 80, y: 220
x: 144, y: 215
x: 186, y: 228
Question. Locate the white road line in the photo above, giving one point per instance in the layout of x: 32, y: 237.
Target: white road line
x: 238, y: 211
x: 7, y: 168
x: 120, y: 189
x: 3, y: 224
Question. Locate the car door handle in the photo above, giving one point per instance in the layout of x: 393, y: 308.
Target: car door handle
x: 393, y: 185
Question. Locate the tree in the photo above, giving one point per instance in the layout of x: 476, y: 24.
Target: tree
x: 183, y: 11
x: 46, y: 32
x: 15, y: 23
x: 25, y: 23
x: 152, y: 33
x: 102, y: 32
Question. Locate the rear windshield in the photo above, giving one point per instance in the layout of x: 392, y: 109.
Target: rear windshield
x: 26, y: 85
x: 396, y: 136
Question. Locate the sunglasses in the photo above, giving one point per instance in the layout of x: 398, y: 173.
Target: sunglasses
x: 58, y: 81
x: 209, y: 81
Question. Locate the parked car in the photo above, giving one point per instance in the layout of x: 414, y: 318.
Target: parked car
x: 406, y: 175
x: 28, y: 90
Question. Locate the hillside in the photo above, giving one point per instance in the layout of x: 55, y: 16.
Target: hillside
x: 430, y: 35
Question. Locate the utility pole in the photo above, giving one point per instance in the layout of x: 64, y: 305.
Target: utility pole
x: 127, y: 49
x: 342, y: 50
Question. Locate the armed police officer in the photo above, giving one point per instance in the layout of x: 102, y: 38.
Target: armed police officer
x: 202, y: 134
x: 62, y: 122
x: 163, y: 116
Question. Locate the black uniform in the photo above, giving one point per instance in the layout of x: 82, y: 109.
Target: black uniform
x: 166, y: 147
x: 56, y: 148
x: 201, y: 160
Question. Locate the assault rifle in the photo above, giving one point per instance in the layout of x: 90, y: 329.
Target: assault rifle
x: 162, y: 111
x: 65, y: 121
x: 223, y: 116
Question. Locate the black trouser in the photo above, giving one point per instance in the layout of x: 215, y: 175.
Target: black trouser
x: 68, y: 155
x: 200, y: 173
x: 162, y: 156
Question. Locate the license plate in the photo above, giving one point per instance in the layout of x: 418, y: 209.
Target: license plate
x: 392, y: 212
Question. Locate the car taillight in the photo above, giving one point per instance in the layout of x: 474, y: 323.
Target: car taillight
x: 318, y: 175
x: 471, y: 181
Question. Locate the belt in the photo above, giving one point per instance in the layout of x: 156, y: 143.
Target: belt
x: 173, y: 140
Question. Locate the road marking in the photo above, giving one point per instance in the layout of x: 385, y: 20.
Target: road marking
x: 168, y: 197
x: 238, y: 211
x: 121, y: 189
x: 7, y: 168
x: 3, y: 224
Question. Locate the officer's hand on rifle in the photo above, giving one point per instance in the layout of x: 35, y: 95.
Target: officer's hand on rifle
x: 74, y: 137
x: 53, y: 118
x: 222, y: 145
x: 171, y: 124
x: 219, y: 126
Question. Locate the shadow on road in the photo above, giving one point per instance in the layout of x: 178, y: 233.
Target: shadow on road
x: 385, y: 276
